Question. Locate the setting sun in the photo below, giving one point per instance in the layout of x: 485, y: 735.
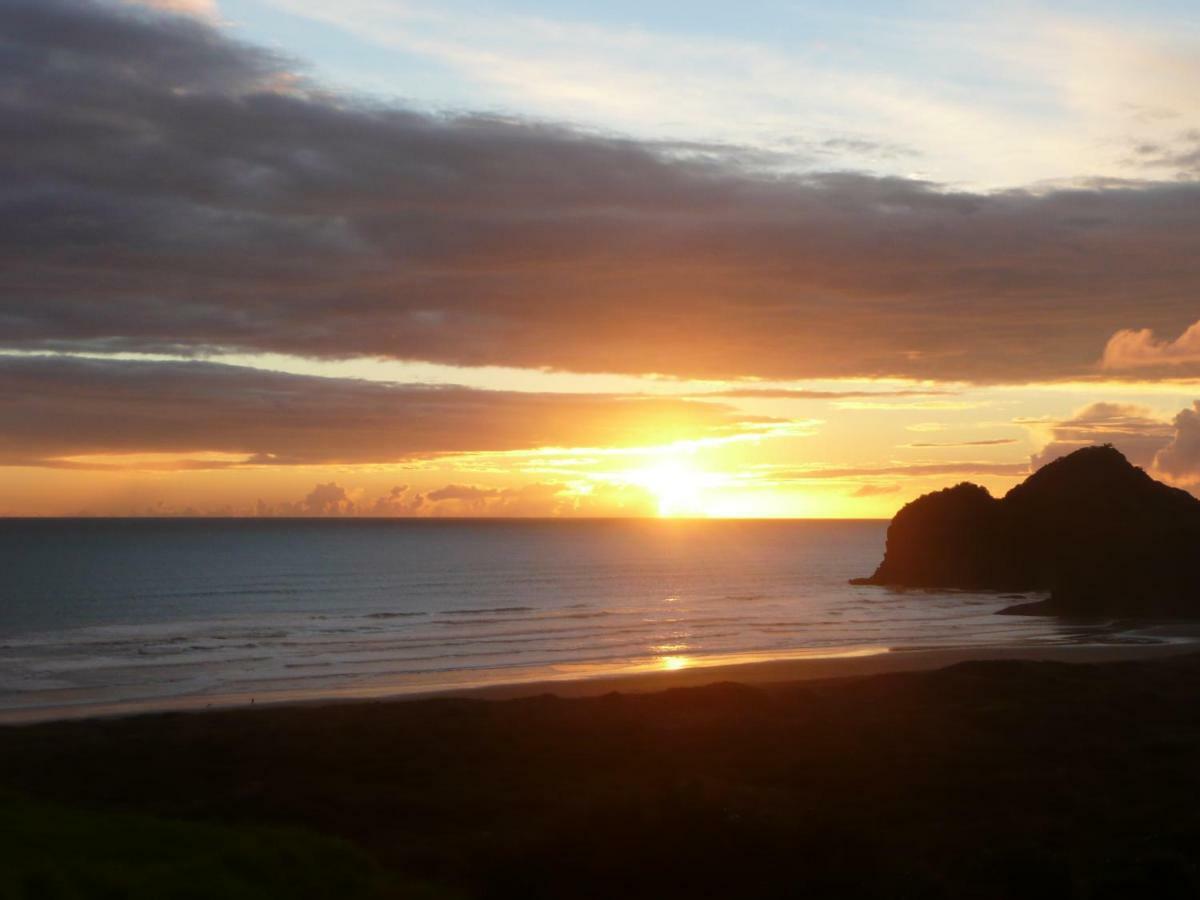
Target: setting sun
x: 677, y: 485
x: 674, y: 663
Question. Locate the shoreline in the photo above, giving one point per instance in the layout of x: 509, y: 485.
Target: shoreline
x: 809, y: 665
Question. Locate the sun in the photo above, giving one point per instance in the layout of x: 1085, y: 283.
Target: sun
x: 678, y: 486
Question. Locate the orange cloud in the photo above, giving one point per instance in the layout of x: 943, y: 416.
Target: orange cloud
x: 1180, y: 458
x: 535, y: 500
x: 993, y: 442
x: 875, y: 490
x: 205, y: 9
x: 1134, y: 430
x: 911, y: 470
x: 1140, y: 349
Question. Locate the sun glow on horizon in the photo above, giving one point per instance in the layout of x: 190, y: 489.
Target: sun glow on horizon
x: 678, y: 486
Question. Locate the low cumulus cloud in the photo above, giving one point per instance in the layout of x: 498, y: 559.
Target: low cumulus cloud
x: 327, y: 500
x: 537, y: 500
x: 1134, y: 430
x: 59, y: 411
x: 473, y: 500
x: 323, y: 500
x: 168, y: 188
x: 1180, y: 459
x: 399, y: 501
x: 542, y: 500
x: 1167, y: 449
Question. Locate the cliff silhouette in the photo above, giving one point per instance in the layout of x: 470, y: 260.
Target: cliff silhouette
x: 1098, y: 533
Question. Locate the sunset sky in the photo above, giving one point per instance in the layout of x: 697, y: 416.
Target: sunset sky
x: 379, y: 257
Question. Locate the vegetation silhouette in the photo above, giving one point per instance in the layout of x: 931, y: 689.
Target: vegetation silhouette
x: 1098, y: 533
x: 986, y: 780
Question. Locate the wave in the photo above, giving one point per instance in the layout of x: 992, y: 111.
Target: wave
x: 488, y: 609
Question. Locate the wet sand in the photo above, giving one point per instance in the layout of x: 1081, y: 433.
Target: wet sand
x: 585, y: 681
x: 849, y: 664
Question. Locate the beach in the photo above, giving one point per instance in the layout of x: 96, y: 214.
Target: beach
x: 1027, y: 776
x: 656, y: 675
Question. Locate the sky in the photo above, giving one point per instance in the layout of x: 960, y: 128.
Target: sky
x: 383, y: 258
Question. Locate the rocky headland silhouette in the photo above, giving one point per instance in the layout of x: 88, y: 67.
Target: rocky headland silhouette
x: 1096, y: 532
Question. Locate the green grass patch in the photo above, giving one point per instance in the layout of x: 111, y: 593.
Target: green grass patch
x: 52, y: 852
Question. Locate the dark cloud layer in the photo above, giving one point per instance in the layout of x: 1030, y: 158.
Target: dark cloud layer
x: 52, y: 408
x: 162, y: 186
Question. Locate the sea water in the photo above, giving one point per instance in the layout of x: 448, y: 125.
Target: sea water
x: 106, y: 615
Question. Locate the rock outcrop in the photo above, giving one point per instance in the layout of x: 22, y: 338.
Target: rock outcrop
x: 1098, y: 533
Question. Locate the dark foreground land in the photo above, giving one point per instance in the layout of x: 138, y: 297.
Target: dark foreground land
x: 986, y: 779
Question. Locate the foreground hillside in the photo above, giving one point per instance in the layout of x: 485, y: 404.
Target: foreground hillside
x: 988, y: 780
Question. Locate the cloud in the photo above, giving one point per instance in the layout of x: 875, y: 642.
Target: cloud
x: 462, y: 493
x: 541, y: 500
x: 70, y: 411
x: 1134, y: 430
x: 1169, y: 450
x: 875, y: 490
x: 1180, y: 459
x: 205, y: 9
x: 327, y: 500
x: 1139, y: 349
x: 167, y: 188
x: 536, y: 500
x: 524, y: 501
x: 801, y: 394
x: 399, y: 501
x: 1049, y: 92
x: 993, y: 442
x: 908, y: 470
x: 1181, y: 155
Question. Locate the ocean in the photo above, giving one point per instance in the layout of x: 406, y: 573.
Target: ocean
x: 108, y: 615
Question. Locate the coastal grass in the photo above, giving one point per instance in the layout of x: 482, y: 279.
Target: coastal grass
x: 984, y: 779
x: 53, y: 852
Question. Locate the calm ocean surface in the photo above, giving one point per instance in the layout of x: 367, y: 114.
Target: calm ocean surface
x: 104, y: 614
